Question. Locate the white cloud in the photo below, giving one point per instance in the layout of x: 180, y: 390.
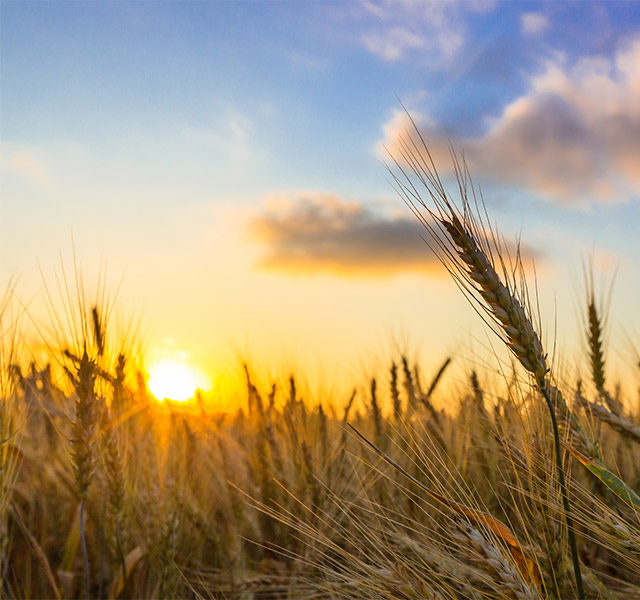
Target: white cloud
x: 392, y: 44
x: 533, y: 23
x: 573, y: 137
x: 434, y: 30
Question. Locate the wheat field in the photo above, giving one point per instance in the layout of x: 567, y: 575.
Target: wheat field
x: 522, y: 484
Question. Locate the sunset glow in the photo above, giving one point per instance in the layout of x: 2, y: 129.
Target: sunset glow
x: 173, y: 379
x: 226, y: 156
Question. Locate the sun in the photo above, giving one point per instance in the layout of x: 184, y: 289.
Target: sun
x: 174, y: 379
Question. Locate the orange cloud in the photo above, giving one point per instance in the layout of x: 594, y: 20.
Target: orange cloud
x: 312, y: 233
x: 323, y: 233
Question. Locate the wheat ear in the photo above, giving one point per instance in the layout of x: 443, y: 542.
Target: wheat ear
x: 468, y: 247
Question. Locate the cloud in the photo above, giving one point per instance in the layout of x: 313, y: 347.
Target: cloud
x: 26, y: 163
x: 304, y: 62
x: 232, y: 129
x: 435, y: 30
x: 230, y: 133
x: 533, y: 24
x: 574, y: 137
x: 394, y: 43
x: 311, y: 232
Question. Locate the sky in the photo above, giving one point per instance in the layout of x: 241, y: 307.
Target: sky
x: 224, y: 160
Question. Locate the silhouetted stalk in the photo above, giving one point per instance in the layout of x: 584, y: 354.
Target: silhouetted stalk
x: 437, y: 378
x: 375, y: 410
x: 409, y: 385
x: 395, y: 396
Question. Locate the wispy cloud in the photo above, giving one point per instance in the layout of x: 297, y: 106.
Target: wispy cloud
x: 232, y: 130
x: 312, y: 232
x: 435, y: 30
x: 574, y: 137
x: 229, y: 132
x: 26, y: 163
x: 533, y: 23
x: 392, y: 44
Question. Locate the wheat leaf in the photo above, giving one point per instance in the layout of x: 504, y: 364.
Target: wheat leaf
x: 613, y: 482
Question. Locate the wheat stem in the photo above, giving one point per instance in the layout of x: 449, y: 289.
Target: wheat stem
x: 85, y: 556
x: 565, y: 496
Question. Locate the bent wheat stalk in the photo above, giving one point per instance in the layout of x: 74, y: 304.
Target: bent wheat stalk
x: 615, y: 421
x: 469, y: 248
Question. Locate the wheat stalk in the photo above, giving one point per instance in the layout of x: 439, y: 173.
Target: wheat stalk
x: 469, y: 249
x: 596, y: 319
x: 395, y: 394
x: 613, y: 419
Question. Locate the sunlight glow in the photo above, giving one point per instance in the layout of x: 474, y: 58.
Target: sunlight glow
x: 174, y: 379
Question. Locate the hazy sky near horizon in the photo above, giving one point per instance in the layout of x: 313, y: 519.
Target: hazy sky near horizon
x: 225, y: 156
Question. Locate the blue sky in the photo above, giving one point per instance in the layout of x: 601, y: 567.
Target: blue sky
x: 214, y: 151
